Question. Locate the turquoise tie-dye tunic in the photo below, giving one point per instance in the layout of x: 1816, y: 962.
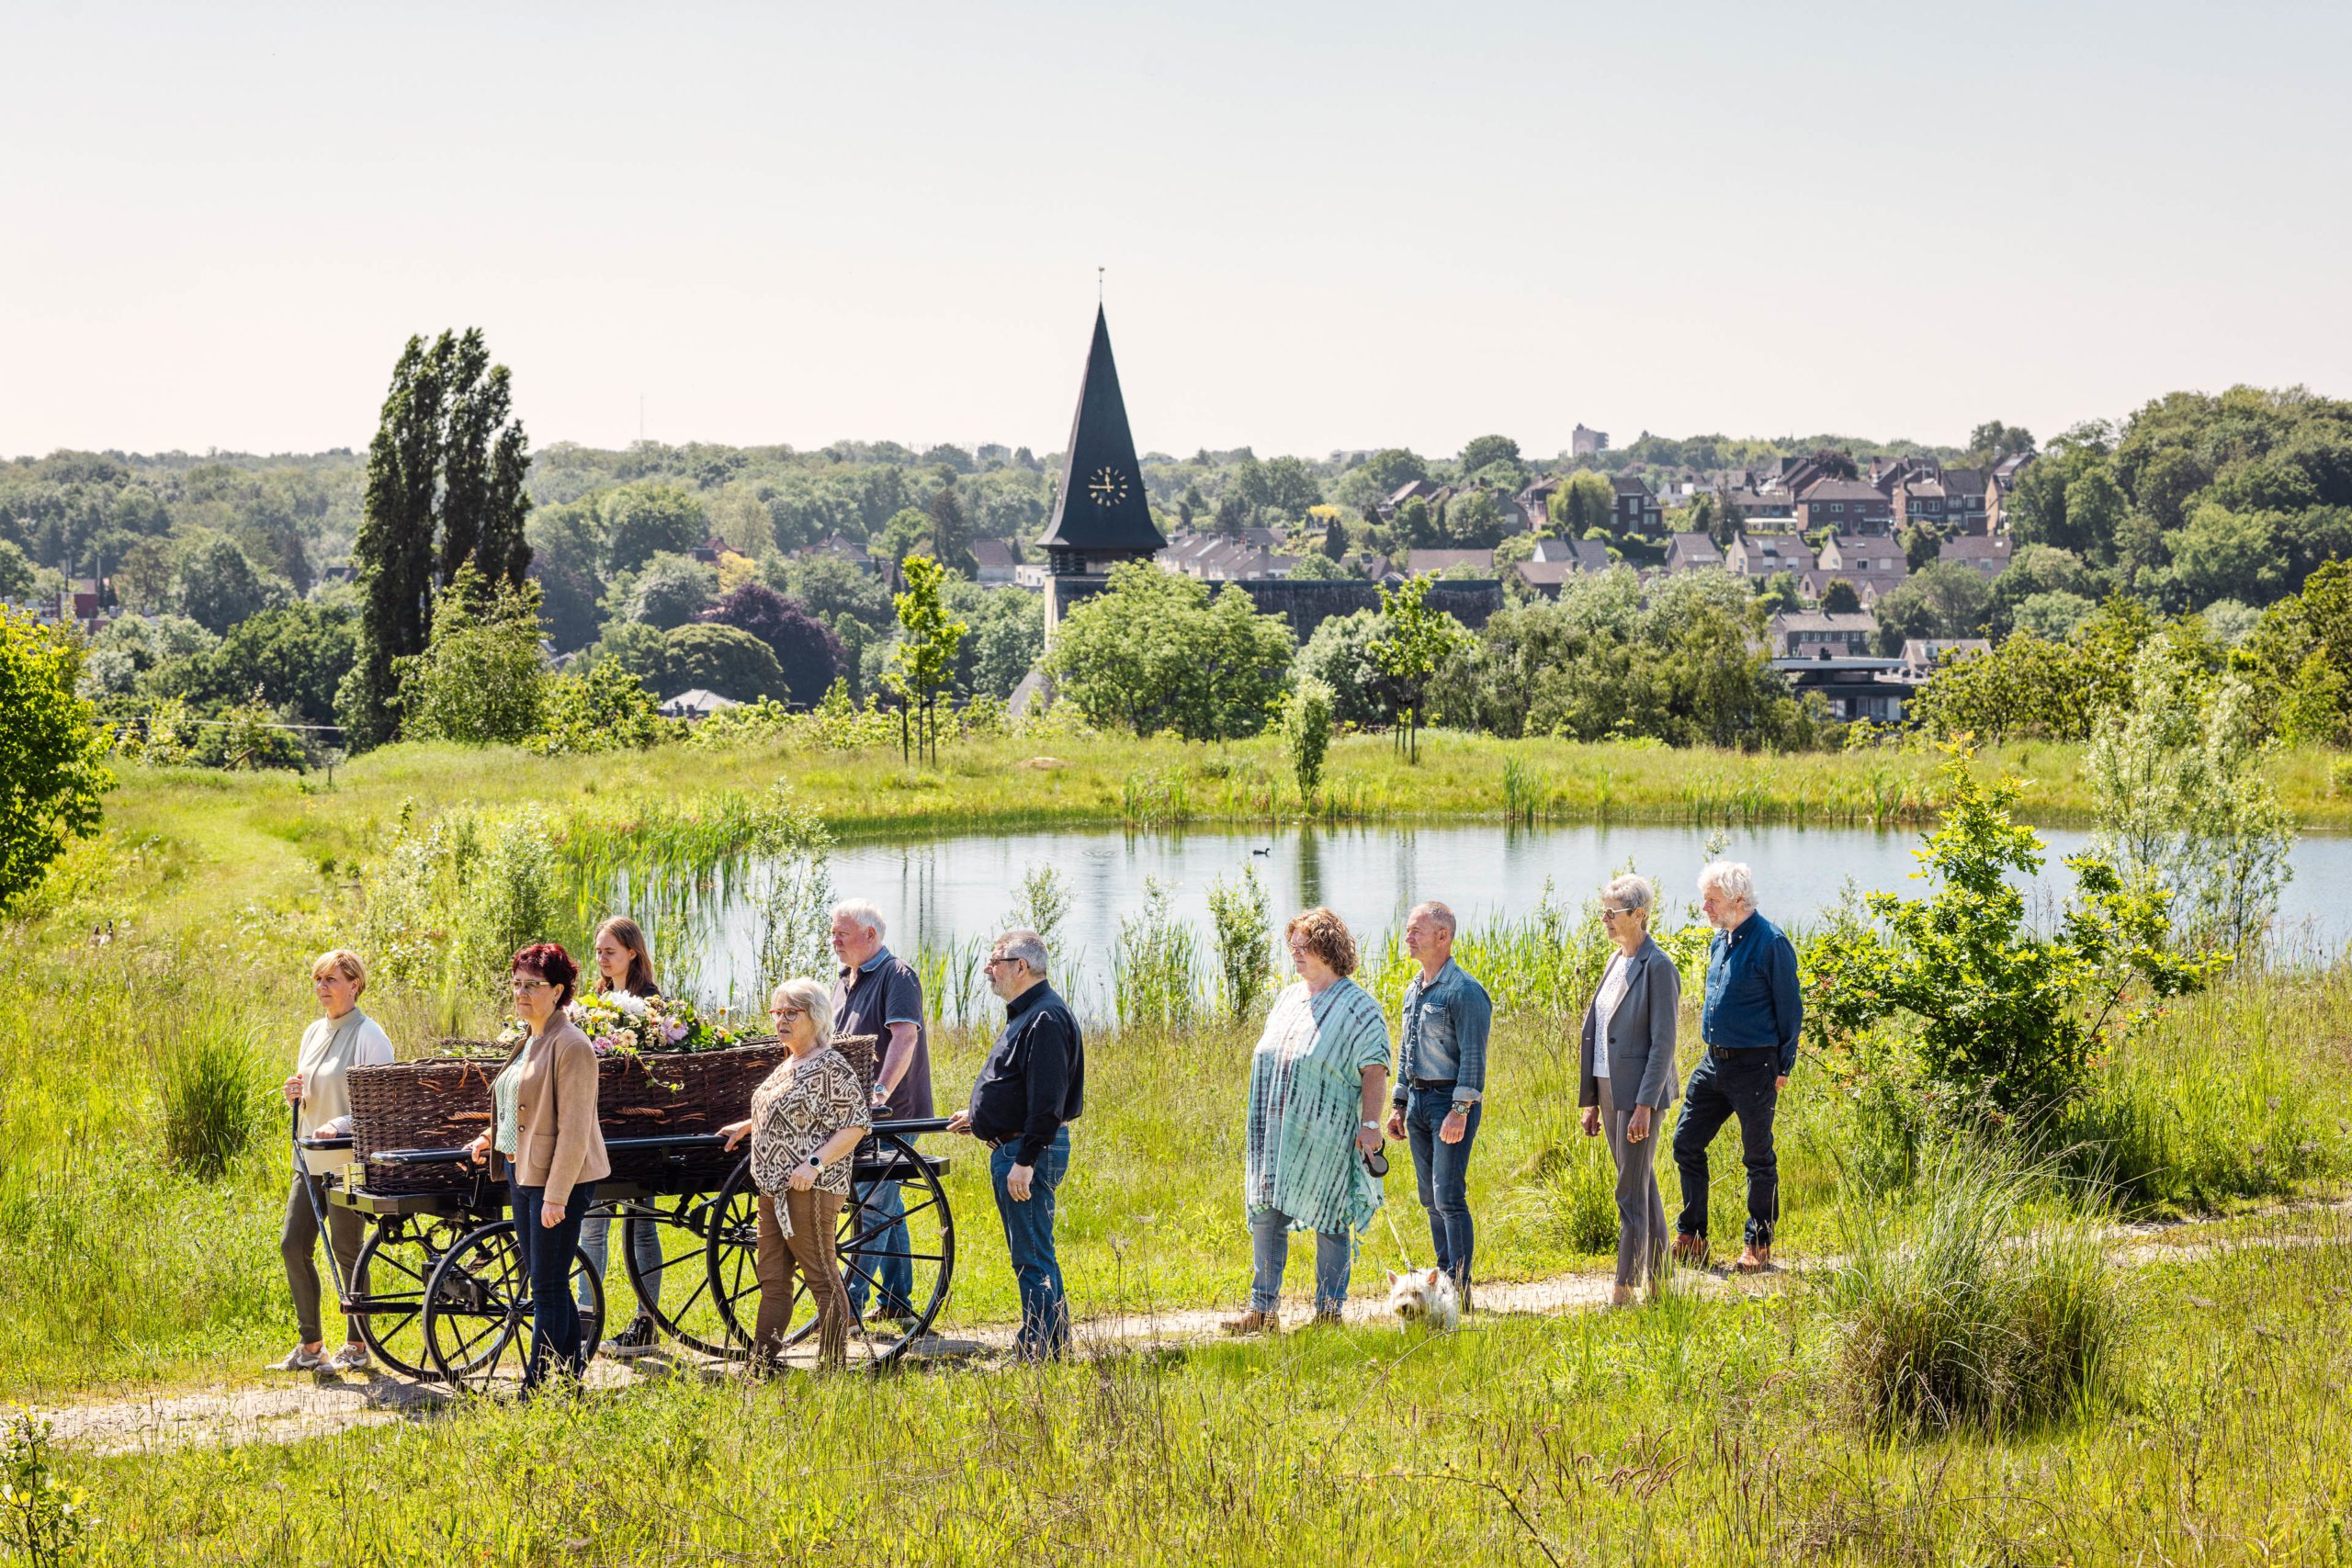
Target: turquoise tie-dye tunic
x: 1305, y: 1102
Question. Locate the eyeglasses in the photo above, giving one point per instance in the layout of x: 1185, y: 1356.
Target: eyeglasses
x: 523, y: 986
x: 1608, y: 913
x: 785, y: 1015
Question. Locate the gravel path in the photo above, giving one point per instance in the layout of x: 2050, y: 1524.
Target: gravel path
x: 303, y: 1406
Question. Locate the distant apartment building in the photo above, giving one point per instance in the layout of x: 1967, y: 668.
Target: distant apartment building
x: 1585, y: 442
x: 1843, y: 506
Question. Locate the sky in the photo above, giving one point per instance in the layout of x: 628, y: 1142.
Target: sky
x: 1321, y: 226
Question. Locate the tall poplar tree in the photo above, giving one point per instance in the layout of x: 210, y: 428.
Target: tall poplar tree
x: 445, y: 488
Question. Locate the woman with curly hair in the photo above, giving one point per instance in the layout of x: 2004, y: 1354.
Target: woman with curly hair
x: 1318, y: 1081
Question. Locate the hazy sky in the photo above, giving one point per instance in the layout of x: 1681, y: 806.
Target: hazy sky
x: 1326, y: 226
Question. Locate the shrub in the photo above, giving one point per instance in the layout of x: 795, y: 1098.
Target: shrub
x: 598, y: 706
x: 1307, y: 728
x: 1242, y: 927
x: 42, y: 1518
x: 719, y: 659
x: 1040, y: 906
x: 1151, y: 973
x: 478, y: 679
x: 212, y: 1100
x: 1958, y: 1311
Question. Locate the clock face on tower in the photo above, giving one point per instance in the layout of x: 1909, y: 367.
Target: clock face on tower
x: 1107, y: 488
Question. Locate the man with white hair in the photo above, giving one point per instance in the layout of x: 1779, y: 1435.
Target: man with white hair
x: 879, y: 993
x: 1749, y: 1022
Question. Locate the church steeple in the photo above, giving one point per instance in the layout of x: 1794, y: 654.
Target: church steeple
x: 1101, y: 516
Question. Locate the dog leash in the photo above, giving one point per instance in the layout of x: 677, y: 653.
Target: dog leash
x: 1378, y: 1176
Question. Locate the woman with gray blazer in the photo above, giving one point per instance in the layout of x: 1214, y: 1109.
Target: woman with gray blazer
x: 1627, y: 1077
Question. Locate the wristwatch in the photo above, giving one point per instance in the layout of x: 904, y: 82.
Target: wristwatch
x: 1369, y: 1126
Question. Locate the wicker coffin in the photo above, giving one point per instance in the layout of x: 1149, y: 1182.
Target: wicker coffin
x: 444, y: 1102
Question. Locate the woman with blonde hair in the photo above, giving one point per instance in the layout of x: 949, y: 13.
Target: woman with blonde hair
x: 1318, y: 1082
x: 339, y: 1039
x: 806, y: 1120
x: 624, y: 968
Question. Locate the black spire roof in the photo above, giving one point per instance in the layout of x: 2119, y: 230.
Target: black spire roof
x: 1101, y: 509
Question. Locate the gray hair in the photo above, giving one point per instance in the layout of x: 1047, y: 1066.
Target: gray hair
x: 1435, y: 911
x: 1732, y: 879
x: 1629, y: 892
x: 1027, y: 945
x: 859, y: 912
x: 814, y: 999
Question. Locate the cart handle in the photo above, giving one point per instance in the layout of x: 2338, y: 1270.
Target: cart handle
x: 322, y: 1144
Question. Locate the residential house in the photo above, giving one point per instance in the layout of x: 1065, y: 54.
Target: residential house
x: 710, y: 549
x: 846, y: 549
x: 1546, y: 576
x: 696, y: 704
x: 1692, y: 552
x: 1534, y: 504
x: 1842, y: 506
x: 1964, y: 501
x: 1921, y: 654
x: 1637, y: 508
x: 1583, y: 555
x: 1813, y: 634
x: 1757, y: 510
x: 1419, y: 489
x: 1999, y: 484
x: 1986, y: 554
x: 1873, y: 564
x: 1762, y: 555
x: 1852, y: 687
x: 994, y: 560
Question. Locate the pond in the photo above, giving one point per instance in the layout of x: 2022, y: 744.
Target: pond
x: 941, y: 892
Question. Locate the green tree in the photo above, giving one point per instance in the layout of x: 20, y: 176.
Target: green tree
x: 1337, y: 655
x: 668, y: 591
x: 50, y: 755
x: 480, y: 679
x: 597, y: 706
x: 1484, y: 451
x: 924, y: 660
x: 1241, y: 926
x: 216, y: 586
x: 2001, y: 1016
x: 641, y: 521
x: 1306, y: 731
x: 722, y: 659
x: 1778, y: 594
x: 1473, y: 520
x: 1415, y: 642
x: 1007, y: 637
x: 16, y: 571
x: 1839, y: 598
x: 2182, y: 800
x: 1157, y: 652
x: 1585, y: 504
x: 909, y: 530
x: 295, y: 656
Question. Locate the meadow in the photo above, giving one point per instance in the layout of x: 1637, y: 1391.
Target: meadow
x: 1706, y: 1425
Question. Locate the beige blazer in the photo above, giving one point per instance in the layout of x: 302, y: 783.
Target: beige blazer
x: 557, y: 1142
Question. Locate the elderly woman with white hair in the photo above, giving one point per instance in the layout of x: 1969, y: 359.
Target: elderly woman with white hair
x: 1627, y: 1078
x: 1753, y: 1014
x: 806, y: 1120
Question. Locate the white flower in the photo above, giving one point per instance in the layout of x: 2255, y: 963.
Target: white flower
x: 633, y: 1006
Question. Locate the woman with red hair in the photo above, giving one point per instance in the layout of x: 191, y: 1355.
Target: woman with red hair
x: 544, y: 1137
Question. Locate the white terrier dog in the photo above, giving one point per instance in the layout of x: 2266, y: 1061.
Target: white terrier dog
x: 1428, y: 1295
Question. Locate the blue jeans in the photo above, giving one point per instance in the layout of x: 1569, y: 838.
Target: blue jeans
x: 1029, y: 1237
x: 1270, y: 1254
x: 882, y: 1254
x: 547, y: 1255
x: 644, y: 1240
x: 1442, y: 1170
x: 1720, y: 1087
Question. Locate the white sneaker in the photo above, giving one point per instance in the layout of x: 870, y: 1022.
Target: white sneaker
x: 352, y: 1358
x: 299, y: 1360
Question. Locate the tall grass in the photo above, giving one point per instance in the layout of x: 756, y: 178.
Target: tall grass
x: 1155, y: 971
x: 214, y: 1090
x: 1974, y: 1304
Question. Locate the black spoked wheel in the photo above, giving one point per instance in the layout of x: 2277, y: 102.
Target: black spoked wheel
x: 390, y: 1278
x: 677, y: 1293
x: 897, y: 1267
x: 478, y: 1308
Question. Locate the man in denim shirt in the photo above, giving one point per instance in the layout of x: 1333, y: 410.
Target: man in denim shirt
x: 1750, y: 1023
x: 1441, y: 1082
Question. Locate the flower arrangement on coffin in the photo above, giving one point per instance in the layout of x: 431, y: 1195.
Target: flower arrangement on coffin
x: 619, y: 1024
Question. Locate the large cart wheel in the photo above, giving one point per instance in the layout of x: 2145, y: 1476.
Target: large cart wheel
x: 390, y: 1278
x: 478, y: 1309
x: 869, y: 1245
x: 677, y: 1294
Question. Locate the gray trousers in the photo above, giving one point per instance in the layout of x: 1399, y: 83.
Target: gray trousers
x: 1641, y: 1213
x: 300, y: 1244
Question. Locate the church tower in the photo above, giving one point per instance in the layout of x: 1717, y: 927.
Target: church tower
x: 1101, y: 516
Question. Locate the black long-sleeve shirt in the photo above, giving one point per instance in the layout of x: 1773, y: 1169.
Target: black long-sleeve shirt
x: 1035, y: 1078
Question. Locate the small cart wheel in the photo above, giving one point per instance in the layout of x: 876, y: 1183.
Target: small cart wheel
x: 388, y: 1283
x: 478, y: 1309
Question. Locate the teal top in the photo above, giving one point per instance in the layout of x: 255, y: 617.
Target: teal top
x: 506, y: 1091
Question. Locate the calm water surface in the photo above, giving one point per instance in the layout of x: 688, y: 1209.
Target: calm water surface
x: 938, y: 891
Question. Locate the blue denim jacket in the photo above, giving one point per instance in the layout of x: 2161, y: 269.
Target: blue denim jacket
x: 1753, y: 998
x: 1445, y: 1035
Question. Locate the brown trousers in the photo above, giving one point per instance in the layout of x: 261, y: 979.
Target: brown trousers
x: 299, y: 1244
x: 810, y: 1253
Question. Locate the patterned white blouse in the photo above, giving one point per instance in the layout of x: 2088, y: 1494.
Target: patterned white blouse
x: 805, y: 1101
